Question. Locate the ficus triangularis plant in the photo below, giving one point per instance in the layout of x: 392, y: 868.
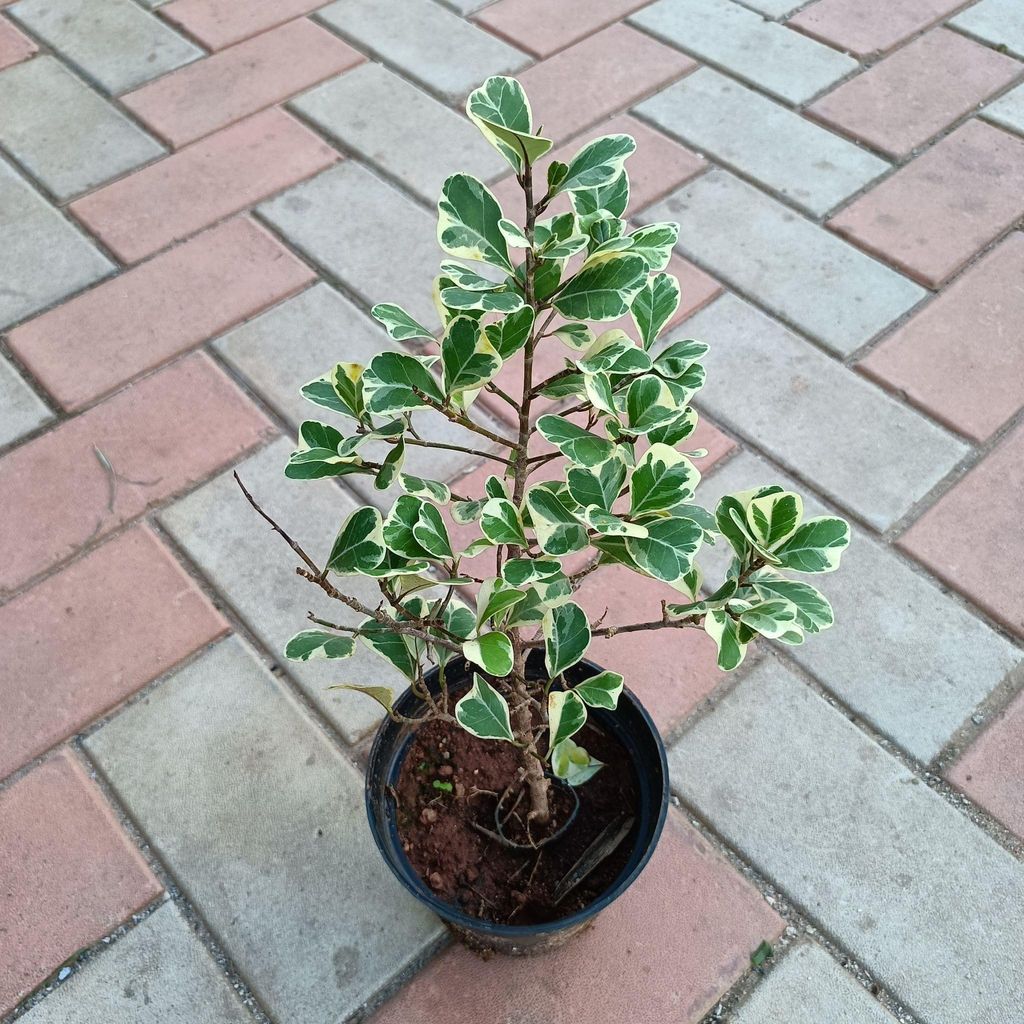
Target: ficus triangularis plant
x: 626, y: 493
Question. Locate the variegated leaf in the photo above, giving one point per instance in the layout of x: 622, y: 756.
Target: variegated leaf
x: 467, y: 222
x: 500, y: 109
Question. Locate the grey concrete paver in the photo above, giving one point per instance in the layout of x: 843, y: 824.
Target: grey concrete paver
x: 998, y: 22
x: 1007, y: 111
x: 21, y: 409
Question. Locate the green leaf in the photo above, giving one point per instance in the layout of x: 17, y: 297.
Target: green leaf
x: 654, y: 242
x: 467, y: 359
x: 383, y: 695
x: 662, y: 479
x: 649, y: 403
x: 599, y: 390
x: 602, y: 291
x: 611, y: 525
x: 567, y: 714
x: 814, y: 613
x: 500, y: 109
x: 616, y: 352
x: 315, y: 463
x: 390, y: 466
x: 675, y: 430
x: 816, y: 546
x: 566, y: 637
x: 313, y: 644
x: 562, y: 249
x: 761, y: 954
x: 575, y: 443
x: 600, y: 691
x: 513, y: 234
x: 770, y: 618
x: 464, y: 512
x: 774, y: 518
x: 399, y: 324
x: 654, y: 305
x: 467, y: 222
x: 399, y: 525
x: 612, y: 198
x: 721, y: 627
x: 520, y: 571
x: 389, y: 644
x: 423, y: 488
x: 678, y: 359
x: 557, y: 529
x: 599, y: 486
x: 469, y: 280
x: 393, y: 379
x: 666, y: 553
x: 340, y: 391
x: 320, y: 435
x: 598, y: 163
x: 571, y: 763
x: 360, y: 543
x: 576, y: 336
x: 483, y: 712
x: 500, y: 523
x: 431, y: 533
x: 556, y: 175
x: 487, y: 302
x: 509, y: 335
x: 496, y: 596
x: 492, y: 652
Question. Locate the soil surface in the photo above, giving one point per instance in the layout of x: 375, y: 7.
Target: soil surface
x: 477, y: 873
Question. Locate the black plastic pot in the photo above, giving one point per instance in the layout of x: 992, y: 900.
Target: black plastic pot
x: 630, y: 724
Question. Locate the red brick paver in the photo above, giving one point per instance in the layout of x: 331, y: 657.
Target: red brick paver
x: 935, y: 213
x: 69, y: 656
x: 679, y: 937
x: 972, y: 538
x: 542, y: 28
x: 914, y: 94
x: 866, y: 27
x: 219, y: 23
x: 201, y: 97
x: 160, y: 435
x: 69, y: 874
x: 202, y: 183
x: 990, y: 771
x: 962, y: 357
x: 632, y: 65
x: 178, y: 299
x: 14, y: 46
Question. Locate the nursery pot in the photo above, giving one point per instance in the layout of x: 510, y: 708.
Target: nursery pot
x: 630, y: 724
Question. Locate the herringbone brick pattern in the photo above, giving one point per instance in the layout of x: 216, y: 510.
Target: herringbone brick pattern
x: 199, y: 202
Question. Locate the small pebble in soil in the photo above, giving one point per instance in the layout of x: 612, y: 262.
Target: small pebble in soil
x: 64, y: 973
x: 437, y: 880
x: 471, y: 874
x: 446, y: 771
x: 428, y: 816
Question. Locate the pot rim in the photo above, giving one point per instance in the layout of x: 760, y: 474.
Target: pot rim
x: 450, y: 912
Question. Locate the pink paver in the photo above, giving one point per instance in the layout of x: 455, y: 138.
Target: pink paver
x: 991, y: 770
x: 935, y: 213
x: 665, y: 951
x: 671, y: 671
x: 209, y: 94
x: 211, y: 179
x: 907, y: 98
x: 85, y: 639
x: 658, y: 166
x: 219, y: 23
x: 14, y: 45
x: 972, y: 537
x: 152, y: 312
x: 632, y: 66
x: 866, y: 27
x: 161, y: 435
x: 69, y: 874
x: 542, y: 27
x: 961, y: 359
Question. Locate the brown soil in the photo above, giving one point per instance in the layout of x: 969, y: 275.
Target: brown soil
x: 477, y: 873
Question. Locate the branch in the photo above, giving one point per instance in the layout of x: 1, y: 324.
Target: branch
x: 463, y: 420
x: 495, y: 390
x: 479, y: 452
x: 633, y: 627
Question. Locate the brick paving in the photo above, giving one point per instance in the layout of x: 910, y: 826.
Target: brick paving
x: 199, y: 201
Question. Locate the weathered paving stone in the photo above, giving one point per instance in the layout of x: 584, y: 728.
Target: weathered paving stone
x: 868, y: 27
x: 86, y: 655
x: 796, y: 269
x: 202, y: 183
x: 63, y: 133
x: 15, y: 46
x: 970, y: 539
x: 219, y: 23
x: 70, y: 874
x: 21, y: 410
x: 736, y: 126
x: 42, y: 257
x: 302, y: 339
x: 180, y: 298
x: 83, y: 31
x: 261, y: 821
x: 999, y: 22
x: 763, y: 53
x: 157, y: 972
x: 436, y: 47
x: 961, y: 359
x: 200, y: 98
x: 928, y: 902
x: 1007, y: 111
x: 159, y: 436
x: 989, y: 771
x: 255, y: 571
x: 904, y: 100
x: 400, y: 129
x: 809, y: 987
x: 936, y: 212
x: 902, y: 654
x: 666, y: 951
x: 349, y: 221
x: 773, y: 8
x: 802, y: 407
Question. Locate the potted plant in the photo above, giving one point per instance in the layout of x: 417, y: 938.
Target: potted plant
x: 515, y: 787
